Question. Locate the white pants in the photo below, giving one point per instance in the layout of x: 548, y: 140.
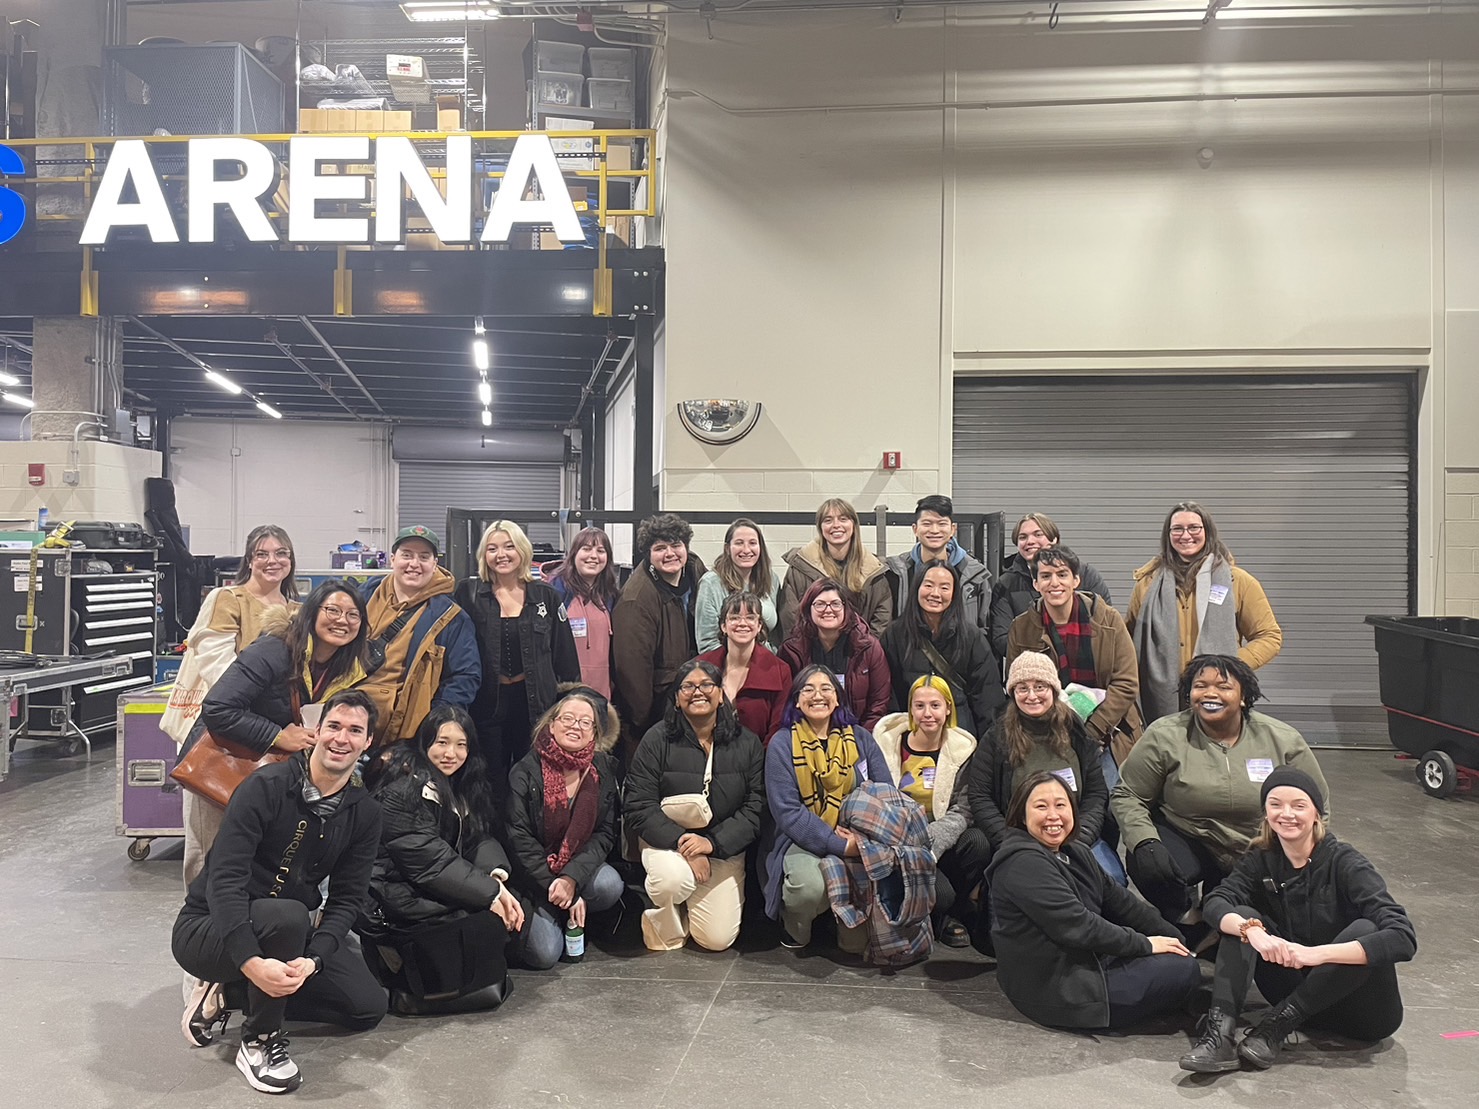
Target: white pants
x: 712, y: 908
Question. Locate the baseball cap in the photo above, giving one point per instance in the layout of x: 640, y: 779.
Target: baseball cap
x: 421, y: 532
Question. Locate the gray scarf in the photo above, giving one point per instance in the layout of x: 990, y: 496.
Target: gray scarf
x: 1158, y: 633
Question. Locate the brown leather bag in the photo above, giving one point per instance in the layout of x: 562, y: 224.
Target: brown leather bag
x: 212, y: 768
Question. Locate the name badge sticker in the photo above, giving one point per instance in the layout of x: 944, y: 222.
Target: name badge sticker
x: 1066, y: 773
x: 577, y: 626
x: 1217, y: 594
x: 1259, y: 769
x: 862, y: 768
x: 927, y: 776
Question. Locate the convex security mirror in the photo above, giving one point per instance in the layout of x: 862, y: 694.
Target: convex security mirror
x: 719, y: 421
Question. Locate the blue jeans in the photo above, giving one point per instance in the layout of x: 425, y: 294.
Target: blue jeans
x: 1105, y: 850
x: 544, y: 930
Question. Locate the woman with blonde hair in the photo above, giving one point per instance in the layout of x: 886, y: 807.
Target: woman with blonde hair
x: 838, y: 553
x: 1310, y: 920
x: 525, y: 643
x: 928, y: 754
x: 743, y: 566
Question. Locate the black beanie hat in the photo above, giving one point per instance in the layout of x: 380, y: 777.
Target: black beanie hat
x: 1298, y: 779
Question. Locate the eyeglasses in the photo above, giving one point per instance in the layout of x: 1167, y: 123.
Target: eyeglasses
x: 579, y: 723
x: 688, y: 689
x: 818, y: 689
x: 282, y: 554
x: 826, y: 606
x: 350, y: 616
x: 1187, y: 529
x: 742, y: 618
x: 1034, y: 687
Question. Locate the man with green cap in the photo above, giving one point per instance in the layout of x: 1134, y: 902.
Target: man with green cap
x: 428, y: 643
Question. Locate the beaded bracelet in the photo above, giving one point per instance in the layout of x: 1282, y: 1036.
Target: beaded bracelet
x: 1243, y: 928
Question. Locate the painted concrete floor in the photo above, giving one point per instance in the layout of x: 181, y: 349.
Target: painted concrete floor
x: 90, y: 999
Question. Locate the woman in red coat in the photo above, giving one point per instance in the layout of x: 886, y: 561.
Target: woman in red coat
x: 829, y: 632
x: 756, y: 682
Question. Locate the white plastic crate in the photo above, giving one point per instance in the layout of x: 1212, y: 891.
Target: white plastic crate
x: 611, y: 96
x: 558, y: 57
x: 613, y: 62
x: 561, y: 90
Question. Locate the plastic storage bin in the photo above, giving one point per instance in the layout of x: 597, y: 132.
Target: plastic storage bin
x: 561, y: 90
x: 558, y: 57
x: 617, y: 63
x: 1428, y: 668
x: 611, y: 96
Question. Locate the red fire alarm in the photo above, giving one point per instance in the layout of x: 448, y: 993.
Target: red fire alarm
x: 892, y: 460
x: 36, y: 473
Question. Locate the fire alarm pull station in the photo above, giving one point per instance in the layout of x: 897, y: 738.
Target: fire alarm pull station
x: 892, y: 460
x: 36, y: 473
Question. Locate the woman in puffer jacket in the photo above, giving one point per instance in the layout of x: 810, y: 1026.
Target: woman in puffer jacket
x: 439, y: 879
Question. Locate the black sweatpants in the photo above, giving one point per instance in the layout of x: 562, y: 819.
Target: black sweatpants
x: 959, y: 871
x: 1199, y: 868
x: 1357, y: 1002
x: 1145, y: 986
x: 344, y: 992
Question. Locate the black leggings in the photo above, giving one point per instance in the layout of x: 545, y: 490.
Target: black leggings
x: 503, y: 733
x: 344, y: 992
x: 959, y: 871
x: 1198, y: 866
x: 1357, y: 1002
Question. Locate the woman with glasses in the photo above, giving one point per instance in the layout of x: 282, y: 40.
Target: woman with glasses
x: 810, y: 768
x: 829, y: 632
x: 838, y: 554
x: 755, y: 681
x: 561, y: 823
x: 1192, y: 600
x: 743, y: 566
x: 932, y: 637
x: 230, y: 619
x: 258, y: 703
x: 694, y: 797
x: 525, y: 643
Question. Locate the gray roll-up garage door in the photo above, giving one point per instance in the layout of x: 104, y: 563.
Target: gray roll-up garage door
x: 428, y: 489
x: 1309, y: 483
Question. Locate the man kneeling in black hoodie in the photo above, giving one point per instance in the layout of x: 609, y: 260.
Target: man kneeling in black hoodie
x: 247, y: 929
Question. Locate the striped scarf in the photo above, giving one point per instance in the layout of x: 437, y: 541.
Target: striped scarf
x: 824, y: 768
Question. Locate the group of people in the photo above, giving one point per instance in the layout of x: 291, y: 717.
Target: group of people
x: 903, y: 751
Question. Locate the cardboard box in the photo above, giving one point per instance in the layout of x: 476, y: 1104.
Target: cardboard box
x: 449, y: 119
x: 618, y: 156
x: 373, y: 120
x: 397, y: 121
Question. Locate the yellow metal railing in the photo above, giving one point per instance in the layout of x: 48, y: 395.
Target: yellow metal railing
x: 80, y: 161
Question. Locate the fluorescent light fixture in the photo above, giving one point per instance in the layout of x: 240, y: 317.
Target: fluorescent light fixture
x: 263, y: 406
x: 449, y: 11
x: 485, y: 392
x: 23, y: 402
x: 223, y: 381
x: 477, y: 326
x: 9, y: 379
x: 480, y: 356
x: 487, y: 418
x: 574, y: 292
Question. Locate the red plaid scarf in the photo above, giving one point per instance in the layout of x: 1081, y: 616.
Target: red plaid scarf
x: 567, y: 825
x: 1073, y: 643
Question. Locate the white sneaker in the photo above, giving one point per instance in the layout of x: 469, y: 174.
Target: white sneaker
x: 204, y: 1009
x: 265, y: 1063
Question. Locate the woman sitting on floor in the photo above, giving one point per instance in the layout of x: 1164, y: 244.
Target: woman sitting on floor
x: 1073, y: 949
x: 1311, y: 921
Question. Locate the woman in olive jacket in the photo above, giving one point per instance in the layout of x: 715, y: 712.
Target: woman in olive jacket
x: 696, y: 873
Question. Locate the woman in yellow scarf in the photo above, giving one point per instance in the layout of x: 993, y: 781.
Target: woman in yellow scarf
x: 811, y: 766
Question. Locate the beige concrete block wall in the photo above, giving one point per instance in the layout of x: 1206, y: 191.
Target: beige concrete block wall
x: 1461, y: 543
x: 110, y: 481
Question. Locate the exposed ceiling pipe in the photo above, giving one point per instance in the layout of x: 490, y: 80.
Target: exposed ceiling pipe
x: 343, y: 365
x: 590, y: 386
x: 326, y: 386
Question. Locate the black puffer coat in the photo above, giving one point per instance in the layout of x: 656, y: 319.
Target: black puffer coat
x: 666, y: 766
x: 423, y: 871
x: 253, y: 700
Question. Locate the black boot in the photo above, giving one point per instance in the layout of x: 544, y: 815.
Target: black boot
x: 1260, y: 1047
x: 1214, y: 1051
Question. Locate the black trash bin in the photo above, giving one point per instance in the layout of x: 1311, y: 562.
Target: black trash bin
x: 1429, y: 668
